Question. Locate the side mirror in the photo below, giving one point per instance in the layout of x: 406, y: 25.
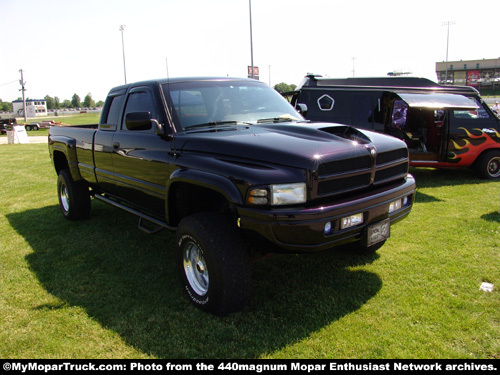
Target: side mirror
x: 301, y: 108
x: 138, y: 121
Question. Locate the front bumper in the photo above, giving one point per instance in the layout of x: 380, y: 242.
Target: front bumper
x: 302, y: 229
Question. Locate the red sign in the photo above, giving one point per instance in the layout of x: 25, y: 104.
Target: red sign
x: 255, y: 72
x: 473, y: 78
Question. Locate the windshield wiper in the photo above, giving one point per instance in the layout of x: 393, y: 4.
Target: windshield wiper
x: 210, y: 124
x: 276, y: 119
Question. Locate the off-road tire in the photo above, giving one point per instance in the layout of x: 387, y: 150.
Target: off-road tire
x: 213, y: 263
x: 74, y: 197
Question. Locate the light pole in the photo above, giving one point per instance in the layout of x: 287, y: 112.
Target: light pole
x: 122, y: 27
x: 448, y: 23
x: 251, y: 37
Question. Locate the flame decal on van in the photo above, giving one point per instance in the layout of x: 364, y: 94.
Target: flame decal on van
x: 465, y: 151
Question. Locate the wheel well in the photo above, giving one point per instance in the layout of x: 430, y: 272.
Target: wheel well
x: 60, y: 161
x: 187, y: 199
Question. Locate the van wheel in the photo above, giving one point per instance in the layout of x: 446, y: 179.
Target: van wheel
x: 213, y: 263
x: 488, y: 165
x: 74, y: 197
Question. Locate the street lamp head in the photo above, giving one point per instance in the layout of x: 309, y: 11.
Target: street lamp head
x: 122, y: 27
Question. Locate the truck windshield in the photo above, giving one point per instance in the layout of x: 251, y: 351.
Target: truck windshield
x: 221, y: 102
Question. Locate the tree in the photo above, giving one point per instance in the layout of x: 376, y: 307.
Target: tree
x: 57, y: 102
x: 75, y: 101
x: 49, y: 100
x: 5, y: 106
x: 284, y: 87
x: 88, y: 101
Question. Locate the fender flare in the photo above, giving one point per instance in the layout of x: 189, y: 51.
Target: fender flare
x: 66, y: 146
x: 217, y: 183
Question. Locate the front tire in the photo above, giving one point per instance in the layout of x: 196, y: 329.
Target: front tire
x: 213, y: 263
x: 74, y: 197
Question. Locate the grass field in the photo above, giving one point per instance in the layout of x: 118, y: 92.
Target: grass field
x: 76, y: 119
x: 104, y: 289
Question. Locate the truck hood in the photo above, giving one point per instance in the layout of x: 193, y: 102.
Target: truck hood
x: 297, y: 145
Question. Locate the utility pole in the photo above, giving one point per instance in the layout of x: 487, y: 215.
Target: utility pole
x: 251, y: 37
x: 23, y: 90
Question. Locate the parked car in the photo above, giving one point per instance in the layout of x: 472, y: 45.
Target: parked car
x: 5, y: 123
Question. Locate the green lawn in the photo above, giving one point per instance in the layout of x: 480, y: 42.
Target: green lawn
x: 104, y: 289
x: 76, y: 119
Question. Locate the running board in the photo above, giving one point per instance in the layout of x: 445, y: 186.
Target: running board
x: 142, y: 217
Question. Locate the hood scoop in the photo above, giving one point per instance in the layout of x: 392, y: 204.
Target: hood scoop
x: 347, y: 132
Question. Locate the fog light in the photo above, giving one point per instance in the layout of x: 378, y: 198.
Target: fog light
x: 328, y: 228
x: 351, y: 221
x: 394, y: 206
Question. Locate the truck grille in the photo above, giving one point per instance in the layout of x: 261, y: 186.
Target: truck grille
x: 361, y: 172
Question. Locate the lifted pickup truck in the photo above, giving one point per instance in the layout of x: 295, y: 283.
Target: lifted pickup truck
x: 231, y: 167
x: 444, y: 126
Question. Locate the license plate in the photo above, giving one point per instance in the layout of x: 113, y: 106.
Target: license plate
x: 378, y: 232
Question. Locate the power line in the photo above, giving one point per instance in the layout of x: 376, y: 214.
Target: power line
x: 8, y: 83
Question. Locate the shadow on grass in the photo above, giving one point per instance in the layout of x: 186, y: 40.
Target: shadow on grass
x: 127, y: 281
x: 492, y: 217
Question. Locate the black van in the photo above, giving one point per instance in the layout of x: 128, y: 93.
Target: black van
x: 443, y: 126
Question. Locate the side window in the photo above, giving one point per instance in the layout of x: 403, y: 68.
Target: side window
x: 115, y: 107
x: 399, y: 115
x: 475, y: 114
x: 140, y: 101
x: 326, y: 103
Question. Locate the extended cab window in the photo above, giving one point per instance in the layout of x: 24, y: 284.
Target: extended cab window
x: 115, y: 107
x: 140, y: 101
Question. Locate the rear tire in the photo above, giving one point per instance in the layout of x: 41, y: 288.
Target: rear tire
x: 488, y: 165
x: 213, y: 263
x: 74, y: 197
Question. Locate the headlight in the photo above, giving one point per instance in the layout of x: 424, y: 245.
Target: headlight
x: 288, y: 194
x: 278, y: 195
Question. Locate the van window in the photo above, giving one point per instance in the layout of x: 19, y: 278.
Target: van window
x: 399, y: 114
x: 326, y: 103
x: 475, y: 114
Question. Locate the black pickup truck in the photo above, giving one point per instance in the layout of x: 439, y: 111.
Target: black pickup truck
x: 232, y: 168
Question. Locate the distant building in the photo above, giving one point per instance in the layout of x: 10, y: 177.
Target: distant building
x: 482, y: 74
x: 34, y: 107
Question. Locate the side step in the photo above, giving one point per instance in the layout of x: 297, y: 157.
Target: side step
x: 157, y: 224
x: 145, y: 225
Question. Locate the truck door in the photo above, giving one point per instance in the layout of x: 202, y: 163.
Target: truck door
x: 141, y: 157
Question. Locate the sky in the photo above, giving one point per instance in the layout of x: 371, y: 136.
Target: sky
x: 66, y: 47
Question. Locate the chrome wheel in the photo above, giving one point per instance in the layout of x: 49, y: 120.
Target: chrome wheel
x: 195, y: 269
x: 494, y: 167
x: 64, y: 198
